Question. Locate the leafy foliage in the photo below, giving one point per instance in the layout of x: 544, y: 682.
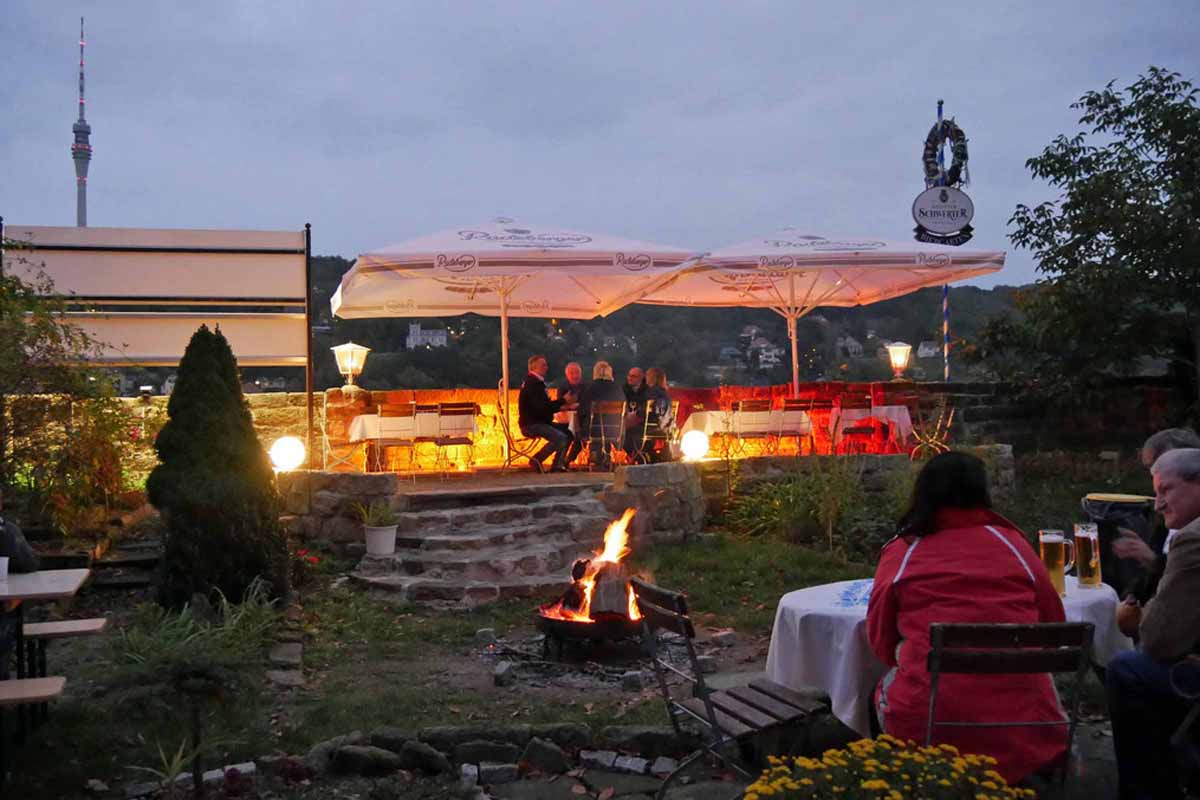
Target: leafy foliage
x: 1119, y: 247
x: 214, y: 484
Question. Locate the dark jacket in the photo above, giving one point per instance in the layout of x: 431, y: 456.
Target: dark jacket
x: 635, y: 399
x: 21, y: 557
x: 534, y: 406
x: 1144, y: 587
x: 661, y: 415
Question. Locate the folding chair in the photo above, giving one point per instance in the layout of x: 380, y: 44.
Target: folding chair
x: 401, y: 419
x: 820, y: 411
x: 795, y: 423
x: 1010, y: 650
x: 606, y: 430
x: 732, y: 718
x: 329, y: 456
x: 657, y: 434
x: 856, y: 437
x: 456, y: 428
x: 752, y: 422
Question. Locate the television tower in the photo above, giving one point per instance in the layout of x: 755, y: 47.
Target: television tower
x: 81, y: 151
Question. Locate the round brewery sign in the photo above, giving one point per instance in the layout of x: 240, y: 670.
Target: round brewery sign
x: 943, y: 210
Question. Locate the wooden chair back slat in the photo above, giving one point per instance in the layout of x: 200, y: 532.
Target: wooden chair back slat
x: 458, y: 409
x: 397, y: 409
x: 742, y: 712
x: 854, y: 400
x: 659, y: 617
x: 753, y: 405
x: 664, y: 598
x: 1063, y: 634
x: 1009, y: 662
x: 795, y: 404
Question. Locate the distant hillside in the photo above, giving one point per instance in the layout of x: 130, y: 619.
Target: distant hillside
x: 696, y: 347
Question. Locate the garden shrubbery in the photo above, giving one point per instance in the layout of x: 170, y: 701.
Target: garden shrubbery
x: 214, y: 485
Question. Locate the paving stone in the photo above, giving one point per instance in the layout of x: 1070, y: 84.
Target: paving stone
x: 418, y: 755
x: 479, y: 750
x: 706, y: 790
x: 485, y: 636
x: 597, y: 759
x: 289, y: 636
x: 707, y: 664
x: 663, y: 766
x: 726, y: 638
x: 468, y: 777
x: 504, y: 674
x: 648, y: 741
x: 545, y: 756
x: 633, y: 681
x: 622, y: 784
x: 390, y: 738
x: 537, y: 789
x: 287, y: 654
x: 575, y: 735
x: 631, y: 764
x: 136, y: 791
x: 365, y: 760
x: 493, y: 773
x: 321, y: 754
x: 288, y: 678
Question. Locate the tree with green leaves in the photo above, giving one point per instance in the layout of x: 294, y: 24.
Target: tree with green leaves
x: 214, y: 485
x: 1119, y: 248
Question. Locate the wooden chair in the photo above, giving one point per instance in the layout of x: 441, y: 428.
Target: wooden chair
x: 820, y: 411
x: 657, y: 434
x: 1010, y: 650
x: 796, y: 423
x: 377, y: 453
x: 752, y: 422
x: 456, y: 428
x: 856, y: 437
x: 606, y: 431
x: 731, y: 717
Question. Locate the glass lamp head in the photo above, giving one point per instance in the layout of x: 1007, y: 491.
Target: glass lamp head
x: 898, y: 354
x: 351, y: 358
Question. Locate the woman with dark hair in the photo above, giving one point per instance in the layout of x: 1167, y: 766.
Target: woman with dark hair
x: 955, y: 560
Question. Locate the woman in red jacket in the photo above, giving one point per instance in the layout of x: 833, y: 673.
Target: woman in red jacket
x: 956, y: 560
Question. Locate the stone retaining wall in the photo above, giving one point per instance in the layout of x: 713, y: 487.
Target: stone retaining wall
x: 329, y: 518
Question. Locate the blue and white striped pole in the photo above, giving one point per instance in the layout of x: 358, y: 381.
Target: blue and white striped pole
x: 941, y: 161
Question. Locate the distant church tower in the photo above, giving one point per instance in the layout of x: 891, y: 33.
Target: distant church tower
x: 81, y: 151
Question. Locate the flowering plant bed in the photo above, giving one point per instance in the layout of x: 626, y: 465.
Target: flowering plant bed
x: 884, y: 768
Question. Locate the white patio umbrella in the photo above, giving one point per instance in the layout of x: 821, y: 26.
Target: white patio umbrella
x: 503, y: 269
x: 793, y: 273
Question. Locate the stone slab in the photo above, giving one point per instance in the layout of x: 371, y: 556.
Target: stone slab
x: 287, y: 654
x: 622, y: 784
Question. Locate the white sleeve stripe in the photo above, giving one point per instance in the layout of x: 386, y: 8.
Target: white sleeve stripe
x: 1014, y: 550
x: 907, y: 554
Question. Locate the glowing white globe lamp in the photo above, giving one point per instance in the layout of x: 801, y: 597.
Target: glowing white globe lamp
x: 286, y: 453
x: 694, y: 445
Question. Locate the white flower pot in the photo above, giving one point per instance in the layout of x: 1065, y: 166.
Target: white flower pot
x: 380, y: 541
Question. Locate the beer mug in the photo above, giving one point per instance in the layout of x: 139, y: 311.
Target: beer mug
x: 1087, y: 555
x: 1055, y: 549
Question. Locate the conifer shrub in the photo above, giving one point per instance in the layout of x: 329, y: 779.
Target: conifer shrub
x: 214, y: 485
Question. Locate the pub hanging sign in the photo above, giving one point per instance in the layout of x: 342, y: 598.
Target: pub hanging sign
x: 943, y: 212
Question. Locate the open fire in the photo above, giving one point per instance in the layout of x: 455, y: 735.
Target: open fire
x: 599, y: 588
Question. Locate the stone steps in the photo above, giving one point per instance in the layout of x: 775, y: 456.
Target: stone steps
x: 453, y: 498
x: 495, y: 545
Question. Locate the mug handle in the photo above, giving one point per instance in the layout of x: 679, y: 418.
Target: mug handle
x: 1070, y: 552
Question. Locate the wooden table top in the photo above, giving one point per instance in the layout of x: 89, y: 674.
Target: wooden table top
x: 46, y: 584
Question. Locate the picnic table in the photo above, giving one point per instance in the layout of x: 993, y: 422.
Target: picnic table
x: 820, y: 640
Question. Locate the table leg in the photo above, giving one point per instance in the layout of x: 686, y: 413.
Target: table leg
x: 43, y: 709
x: 22, y: 711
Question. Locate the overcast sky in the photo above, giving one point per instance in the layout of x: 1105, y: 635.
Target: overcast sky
x: 696, y: 124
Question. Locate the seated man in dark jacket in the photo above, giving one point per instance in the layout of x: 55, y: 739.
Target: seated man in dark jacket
x: 536, y: 416
x: 635, y: 411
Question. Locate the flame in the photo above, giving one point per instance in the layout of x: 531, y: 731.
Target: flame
x: 616, y: 547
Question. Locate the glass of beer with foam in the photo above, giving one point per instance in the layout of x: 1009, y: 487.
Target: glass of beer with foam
x: 1057, y: 556
x: 1087, y: 555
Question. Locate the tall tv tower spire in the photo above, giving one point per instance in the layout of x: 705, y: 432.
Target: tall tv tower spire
x: 81, y: 150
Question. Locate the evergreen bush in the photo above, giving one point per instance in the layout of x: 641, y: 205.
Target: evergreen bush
x: 214, y: 485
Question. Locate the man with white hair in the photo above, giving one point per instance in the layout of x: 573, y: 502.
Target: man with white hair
x: 1143, y: 700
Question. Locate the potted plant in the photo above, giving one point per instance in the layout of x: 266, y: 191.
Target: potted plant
x: 379, y: 525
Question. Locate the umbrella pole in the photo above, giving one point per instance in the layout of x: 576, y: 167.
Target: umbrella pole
x: 791, y: 318
x: 504, y: 372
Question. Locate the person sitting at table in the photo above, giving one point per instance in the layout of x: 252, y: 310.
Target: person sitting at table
x: 1149, y: 555
x: 535, y: 416
x: 602, y: 389
x: 573, y: 373
x: 21, y: 558
x: 955, y: 560
x: 660, y: 412
x: 1143, y: 684
x: 635, y: 411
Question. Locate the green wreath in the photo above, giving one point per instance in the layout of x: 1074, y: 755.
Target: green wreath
x: 946, y: 131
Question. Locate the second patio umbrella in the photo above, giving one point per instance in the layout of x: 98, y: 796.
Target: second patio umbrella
x: 793, y: 273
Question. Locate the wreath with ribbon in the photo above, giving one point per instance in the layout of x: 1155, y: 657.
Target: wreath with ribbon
x: 946, y: 131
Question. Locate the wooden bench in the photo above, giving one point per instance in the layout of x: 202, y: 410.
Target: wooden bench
x: 21, y: 692
x: 40, y: 634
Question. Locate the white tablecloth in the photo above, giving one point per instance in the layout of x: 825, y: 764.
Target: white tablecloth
x: 897, y: 417
x: 368, y: 427
x: 715, y: 423
x: 820, y: 639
